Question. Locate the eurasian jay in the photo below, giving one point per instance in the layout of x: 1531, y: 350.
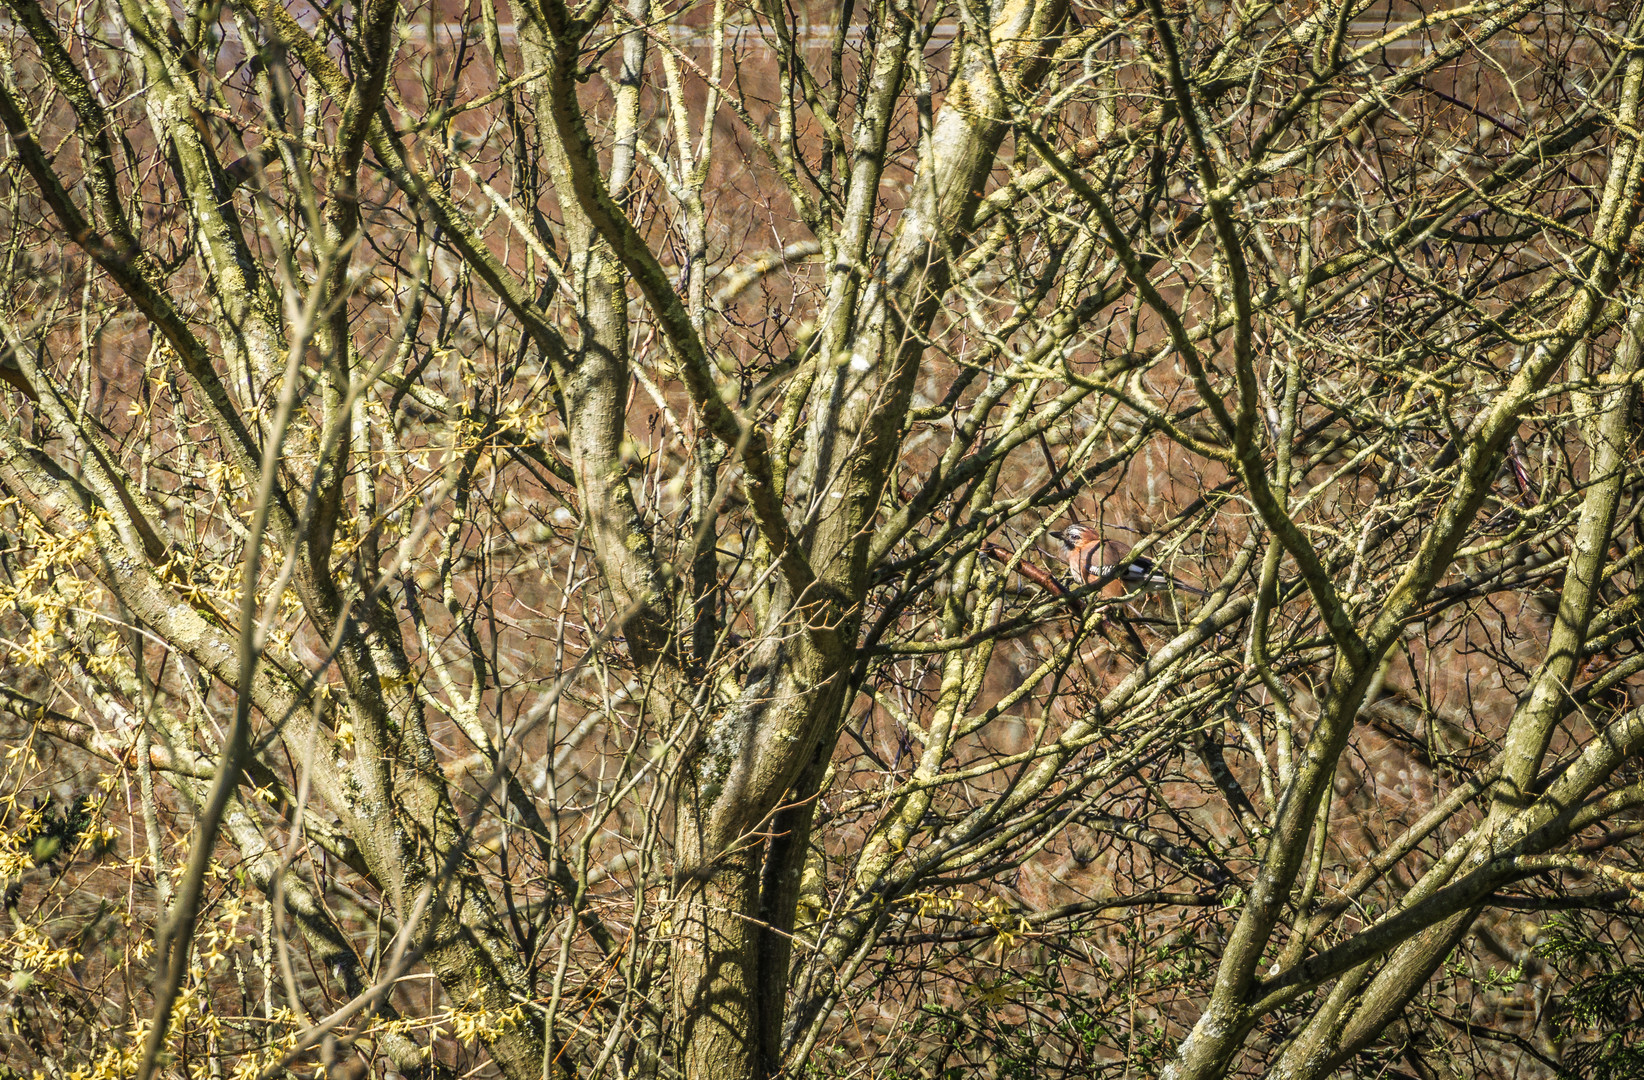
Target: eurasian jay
x: 1091, y: 557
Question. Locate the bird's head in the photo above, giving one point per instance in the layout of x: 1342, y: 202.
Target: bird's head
x: 1074, y: 535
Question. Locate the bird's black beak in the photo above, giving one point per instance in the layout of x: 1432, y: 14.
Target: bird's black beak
x: 1057, y: 533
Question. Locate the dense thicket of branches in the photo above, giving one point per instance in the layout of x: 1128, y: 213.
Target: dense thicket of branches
x: 527, y: 538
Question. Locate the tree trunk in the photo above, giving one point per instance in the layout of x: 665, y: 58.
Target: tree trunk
x: 717, y: 993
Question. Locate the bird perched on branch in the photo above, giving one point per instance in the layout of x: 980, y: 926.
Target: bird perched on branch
x: 1092, y: 557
